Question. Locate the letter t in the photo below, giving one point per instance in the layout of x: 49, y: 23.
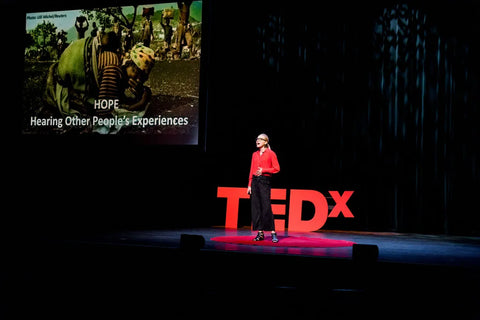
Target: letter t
x: 233, y: 196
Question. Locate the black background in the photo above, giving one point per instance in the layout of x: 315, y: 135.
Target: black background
x: 323, y: 115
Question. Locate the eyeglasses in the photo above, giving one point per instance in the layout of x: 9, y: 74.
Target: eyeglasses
x: 261, y: 139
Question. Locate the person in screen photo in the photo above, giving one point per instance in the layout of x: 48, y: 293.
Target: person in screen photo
x: 90, y: 69
x: 264, y: 165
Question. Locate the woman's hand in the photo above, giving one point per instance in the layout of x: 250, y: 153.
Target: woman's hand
x: 249, y: 190
x: 135, y: 85
x: 259, y: 172
x: 140, y: 105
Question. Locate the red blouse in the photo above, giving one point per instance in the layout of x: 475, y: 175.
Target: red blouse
x: 267, y: 161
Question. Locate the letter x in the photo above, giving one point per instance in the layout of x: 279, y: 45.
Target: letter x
x: 341, y: 204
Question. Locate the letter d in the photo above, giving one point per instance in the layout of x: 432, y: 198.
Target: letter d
x: 295, y: 222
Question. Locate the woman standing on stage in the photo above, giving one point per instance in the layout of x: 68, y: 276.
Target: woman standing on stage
x: 264, y: 165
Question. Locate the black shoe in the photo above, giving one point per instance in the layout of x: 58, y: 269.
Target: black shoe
x: 260, y: 236
x: 274, y: 237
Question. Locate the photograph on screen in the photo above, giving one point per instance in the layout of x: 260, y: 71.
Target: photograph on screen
x: 129, y: 70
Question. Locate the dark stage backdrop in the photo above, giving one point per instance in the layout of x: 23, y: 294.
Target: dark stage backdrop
x: 378, y: 97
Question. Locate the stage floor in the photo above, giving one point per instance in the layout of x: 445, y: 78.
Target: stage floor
x: 442, y: 250
x: 143, y: 274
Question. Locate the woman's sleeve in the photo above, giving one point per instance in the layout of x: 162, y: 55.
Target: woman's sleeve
x: 252, y: 170
x: 110, y: 82
x: 275, y: 166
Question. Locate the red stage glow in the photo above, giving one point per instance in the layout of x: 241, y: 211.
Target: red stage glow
x: 299, y: 242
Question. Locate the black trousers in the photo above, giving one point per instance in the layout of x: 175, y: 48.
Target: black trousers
x: 262, y: 215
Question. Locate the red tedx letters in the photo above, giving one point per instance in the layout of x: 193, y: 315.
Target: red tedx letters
x: 297, y: 197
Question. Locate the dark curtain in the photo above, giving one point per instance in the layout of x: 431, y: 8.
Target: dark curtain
x: 424, y: 102
x: 383, y: 96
